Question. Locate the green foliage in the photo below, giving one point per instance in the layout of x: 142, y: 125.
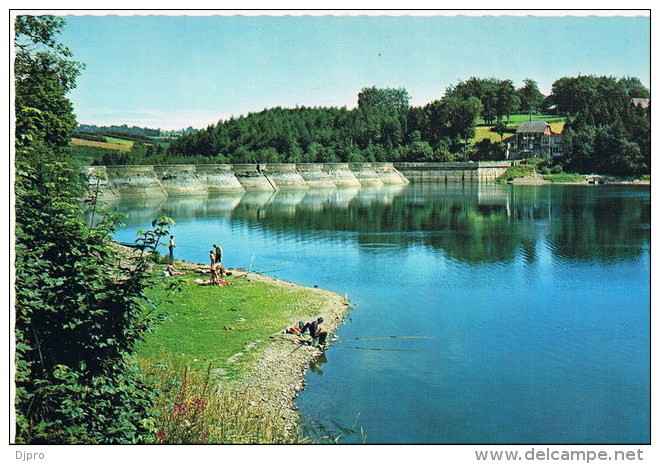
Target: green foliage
x: 44, y: 73
x: 78, y: 312
x: 387, y: 98
x: 380, y: 129
x: 530, y: 96
x: 498, y: 97
x: 523, y: 169
x: 90, y: 137
x: 487, y: 150
x: 78, y: 317
x: 113, y: 158
x: 608, y: 134
x: 575, y: 94
x: 150, y: 239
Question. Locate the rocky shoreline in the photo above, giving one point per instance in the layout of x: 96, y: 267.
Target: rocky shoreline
x: 279, y: 375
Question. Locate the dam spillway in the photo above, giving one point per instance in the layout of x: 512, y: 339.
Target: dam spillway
x: 204, y: 179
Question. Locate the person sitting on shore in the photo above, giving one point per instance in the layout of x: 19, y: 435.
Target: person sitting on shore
x: 315, y: 331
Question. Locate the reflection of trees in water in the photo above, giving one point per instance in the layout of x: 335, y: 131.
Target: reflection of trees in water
x: 606, y: 227
x: 470, y: 223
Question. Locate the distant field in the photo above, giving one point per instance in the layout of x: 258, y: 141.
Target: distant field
x: 119, y: 141
x: 125, y: 145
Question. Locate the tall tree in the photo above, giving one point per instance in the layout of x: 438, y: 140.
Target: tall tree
x: 483, y: 89
x: 530, y: 95
x: 608, y: 133
x: 453, y: 118
x: 43, y: 73
x: 386, y: 98
x: 508, y: 101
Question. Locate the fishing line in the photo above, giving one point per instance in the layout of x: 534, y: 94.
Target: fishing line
x: 380, y: 338
x: 372, y: 349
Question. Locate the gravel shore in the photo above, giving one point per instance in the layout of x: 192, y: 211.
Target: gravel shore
x: 279, y: 375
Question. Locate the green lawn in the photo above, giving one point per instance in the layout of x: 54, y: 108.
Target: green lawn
x: 211, y: 324
x: 516, y: 119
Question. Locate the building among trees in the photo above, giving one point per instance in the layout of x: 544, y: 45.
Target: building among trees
x: 533, y: 139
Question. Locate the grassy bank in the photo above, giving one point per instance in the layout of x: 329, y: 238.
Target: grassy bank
x: 525, y: 168
x: 222, y: 326
x: 537, y: 170
x: 222, y: 378
x: 564, y: 177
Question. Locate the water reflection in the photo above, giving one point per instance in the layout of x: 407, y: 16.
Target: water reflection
x: 537, y: 299
x: 316, y: 366
x: 469, y: 223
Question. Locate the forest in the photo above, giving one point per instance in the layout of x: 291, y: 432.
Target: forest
x: 604, y: 132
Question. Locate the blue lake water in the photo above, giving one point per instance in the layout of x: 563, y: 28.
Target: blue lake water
x: 536, y: 302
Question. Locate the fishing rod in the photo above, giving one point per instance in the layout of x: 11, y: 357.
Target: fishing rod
x: 263, y: 267
x: 268, y: 265
x: 371, y: 349
x: 379, y: 338
x: 335, y: 340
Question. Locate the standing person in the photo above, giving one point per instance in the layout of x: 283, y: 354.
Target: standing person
x: 218, y: 253
x: 315, y: 331
x: 172, y: 246
x: 212, y: 257
x: 218, y: 259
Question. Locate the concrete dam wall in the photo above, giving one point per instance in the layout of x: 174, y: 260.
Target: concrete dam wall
x: 165, y: 180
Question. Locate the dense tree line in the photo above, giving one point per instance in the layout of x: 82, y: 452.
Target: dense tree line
x: 376, y: 130
x: 124, y: 129
x: 78, y: 314
x: 607, y: 133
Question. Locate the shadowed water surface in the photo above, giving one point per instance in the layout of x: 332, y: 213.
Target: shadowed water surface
x: 538, y: 299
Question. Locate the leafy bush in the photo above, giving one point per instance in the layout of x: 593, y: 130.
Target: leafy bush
x: 79, y: 314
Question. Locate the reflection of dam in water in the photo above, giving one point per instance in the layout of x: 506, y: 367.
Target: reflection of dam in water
x: 172, y: 180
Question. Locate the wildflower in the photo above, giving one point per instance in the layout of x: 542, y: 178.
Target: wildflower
x: 180, y: 408
x: 199, y: 403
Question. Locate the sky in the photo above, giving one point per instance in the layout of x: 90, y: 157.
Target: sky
x: 173, y: 71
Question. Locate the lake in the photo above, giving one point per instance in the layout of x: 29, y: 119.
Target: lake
x: 530, y: 304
